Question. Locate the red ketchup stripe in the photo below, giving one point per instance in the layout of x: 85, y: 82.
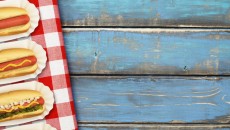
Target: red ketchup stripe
x: 33, y: 60
x: 39, y: 101
x: 14, y: 21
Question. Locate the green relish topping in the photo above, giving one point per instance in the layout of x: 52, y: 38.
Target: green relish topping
x: 19, y: 111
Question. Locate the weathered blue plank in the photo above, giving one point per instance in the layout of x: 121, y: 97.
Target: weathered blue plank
x: 148, y: 51
x: 152, y: 127
x: 145, y: 12
x: 152, y: 99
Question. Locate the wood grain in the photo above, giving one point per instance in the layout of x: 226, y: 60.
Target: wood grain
x: 152, y: 99
x: 152, y: 127
x: 148, y: 51
x: 165, y: 13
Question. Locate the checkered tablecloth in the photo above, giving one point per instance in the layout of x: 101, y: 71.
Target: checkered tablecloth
x: 56, y: 75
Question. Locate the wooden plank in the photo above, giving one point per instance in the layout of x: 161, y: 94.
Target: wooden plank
x: 167, y: 13
x: 152, y: 127
x: 148, y: 51
x: 152, y: 99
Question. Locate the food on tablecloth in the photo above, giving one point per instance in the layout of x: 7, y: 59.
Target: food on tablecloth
x: 21, y: 104
x: 13, y: 20
x: 17, y: 62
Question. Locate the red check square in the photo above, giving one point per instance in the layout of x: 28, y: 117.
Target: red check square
x: 66, y: 107
x: 55, y: 122
x: 46, y: 72
x: 59, y: 81
x: 50, y: 25
x: 39, y: 29
x: 56, y: 12
x: 47, y: 81
x: 53, y: 113
x: 68, y: 80
x: 45, y: 2
x: 63, y: 52
x: 40, y: 39
x: 35, y: 2
x: 53, y: 55
x: 58, y: 22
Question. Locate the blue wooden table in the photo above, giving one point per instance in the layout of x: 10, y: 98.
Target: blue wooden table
x: 149, y: 64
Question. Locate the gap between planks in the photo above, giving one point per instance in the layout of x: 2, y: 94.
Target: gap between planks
x: 147, y: 30
x: 145, y: 75
x: 163, y: 27
x: 143, y: 125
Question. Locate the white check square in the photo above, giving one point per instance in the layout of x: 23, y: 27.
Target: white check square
x: 61, y: 95
x: 52, y: 39
x: 47, y: 12
x: 57, y: 67
x: 67, y: 123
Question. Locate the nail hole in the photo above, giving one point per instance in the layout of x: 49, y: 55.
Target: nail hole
x: 185, y: 68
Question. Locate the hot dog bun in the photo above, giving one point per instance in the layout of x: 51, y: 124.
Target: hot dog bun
x: 13, y: 54
x: 18, y: 72
x: 9, y: 12
x: 14, y: 30
x: 17, y: 96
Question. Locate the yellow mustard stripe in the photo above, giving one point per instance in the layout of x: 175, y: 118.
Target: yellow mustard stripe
x: 19, y: 107
x: 15, y: 65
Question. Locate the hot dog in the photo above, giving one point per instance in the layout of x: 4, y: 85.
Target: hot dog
x: 21, y: 104
x: 17, y: 62
x: 13, y: 20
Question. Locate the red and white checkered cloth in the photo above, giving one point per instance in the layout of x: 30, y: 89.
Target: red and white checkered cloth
x: 55, y: 75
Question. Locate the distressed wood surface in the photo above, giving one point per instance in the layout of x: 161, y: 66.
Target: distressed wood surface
x: 149, y: 103
x: 152, y: 99
x: 165, y: 13
x: 152, y: 127
x: 148, y: 51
